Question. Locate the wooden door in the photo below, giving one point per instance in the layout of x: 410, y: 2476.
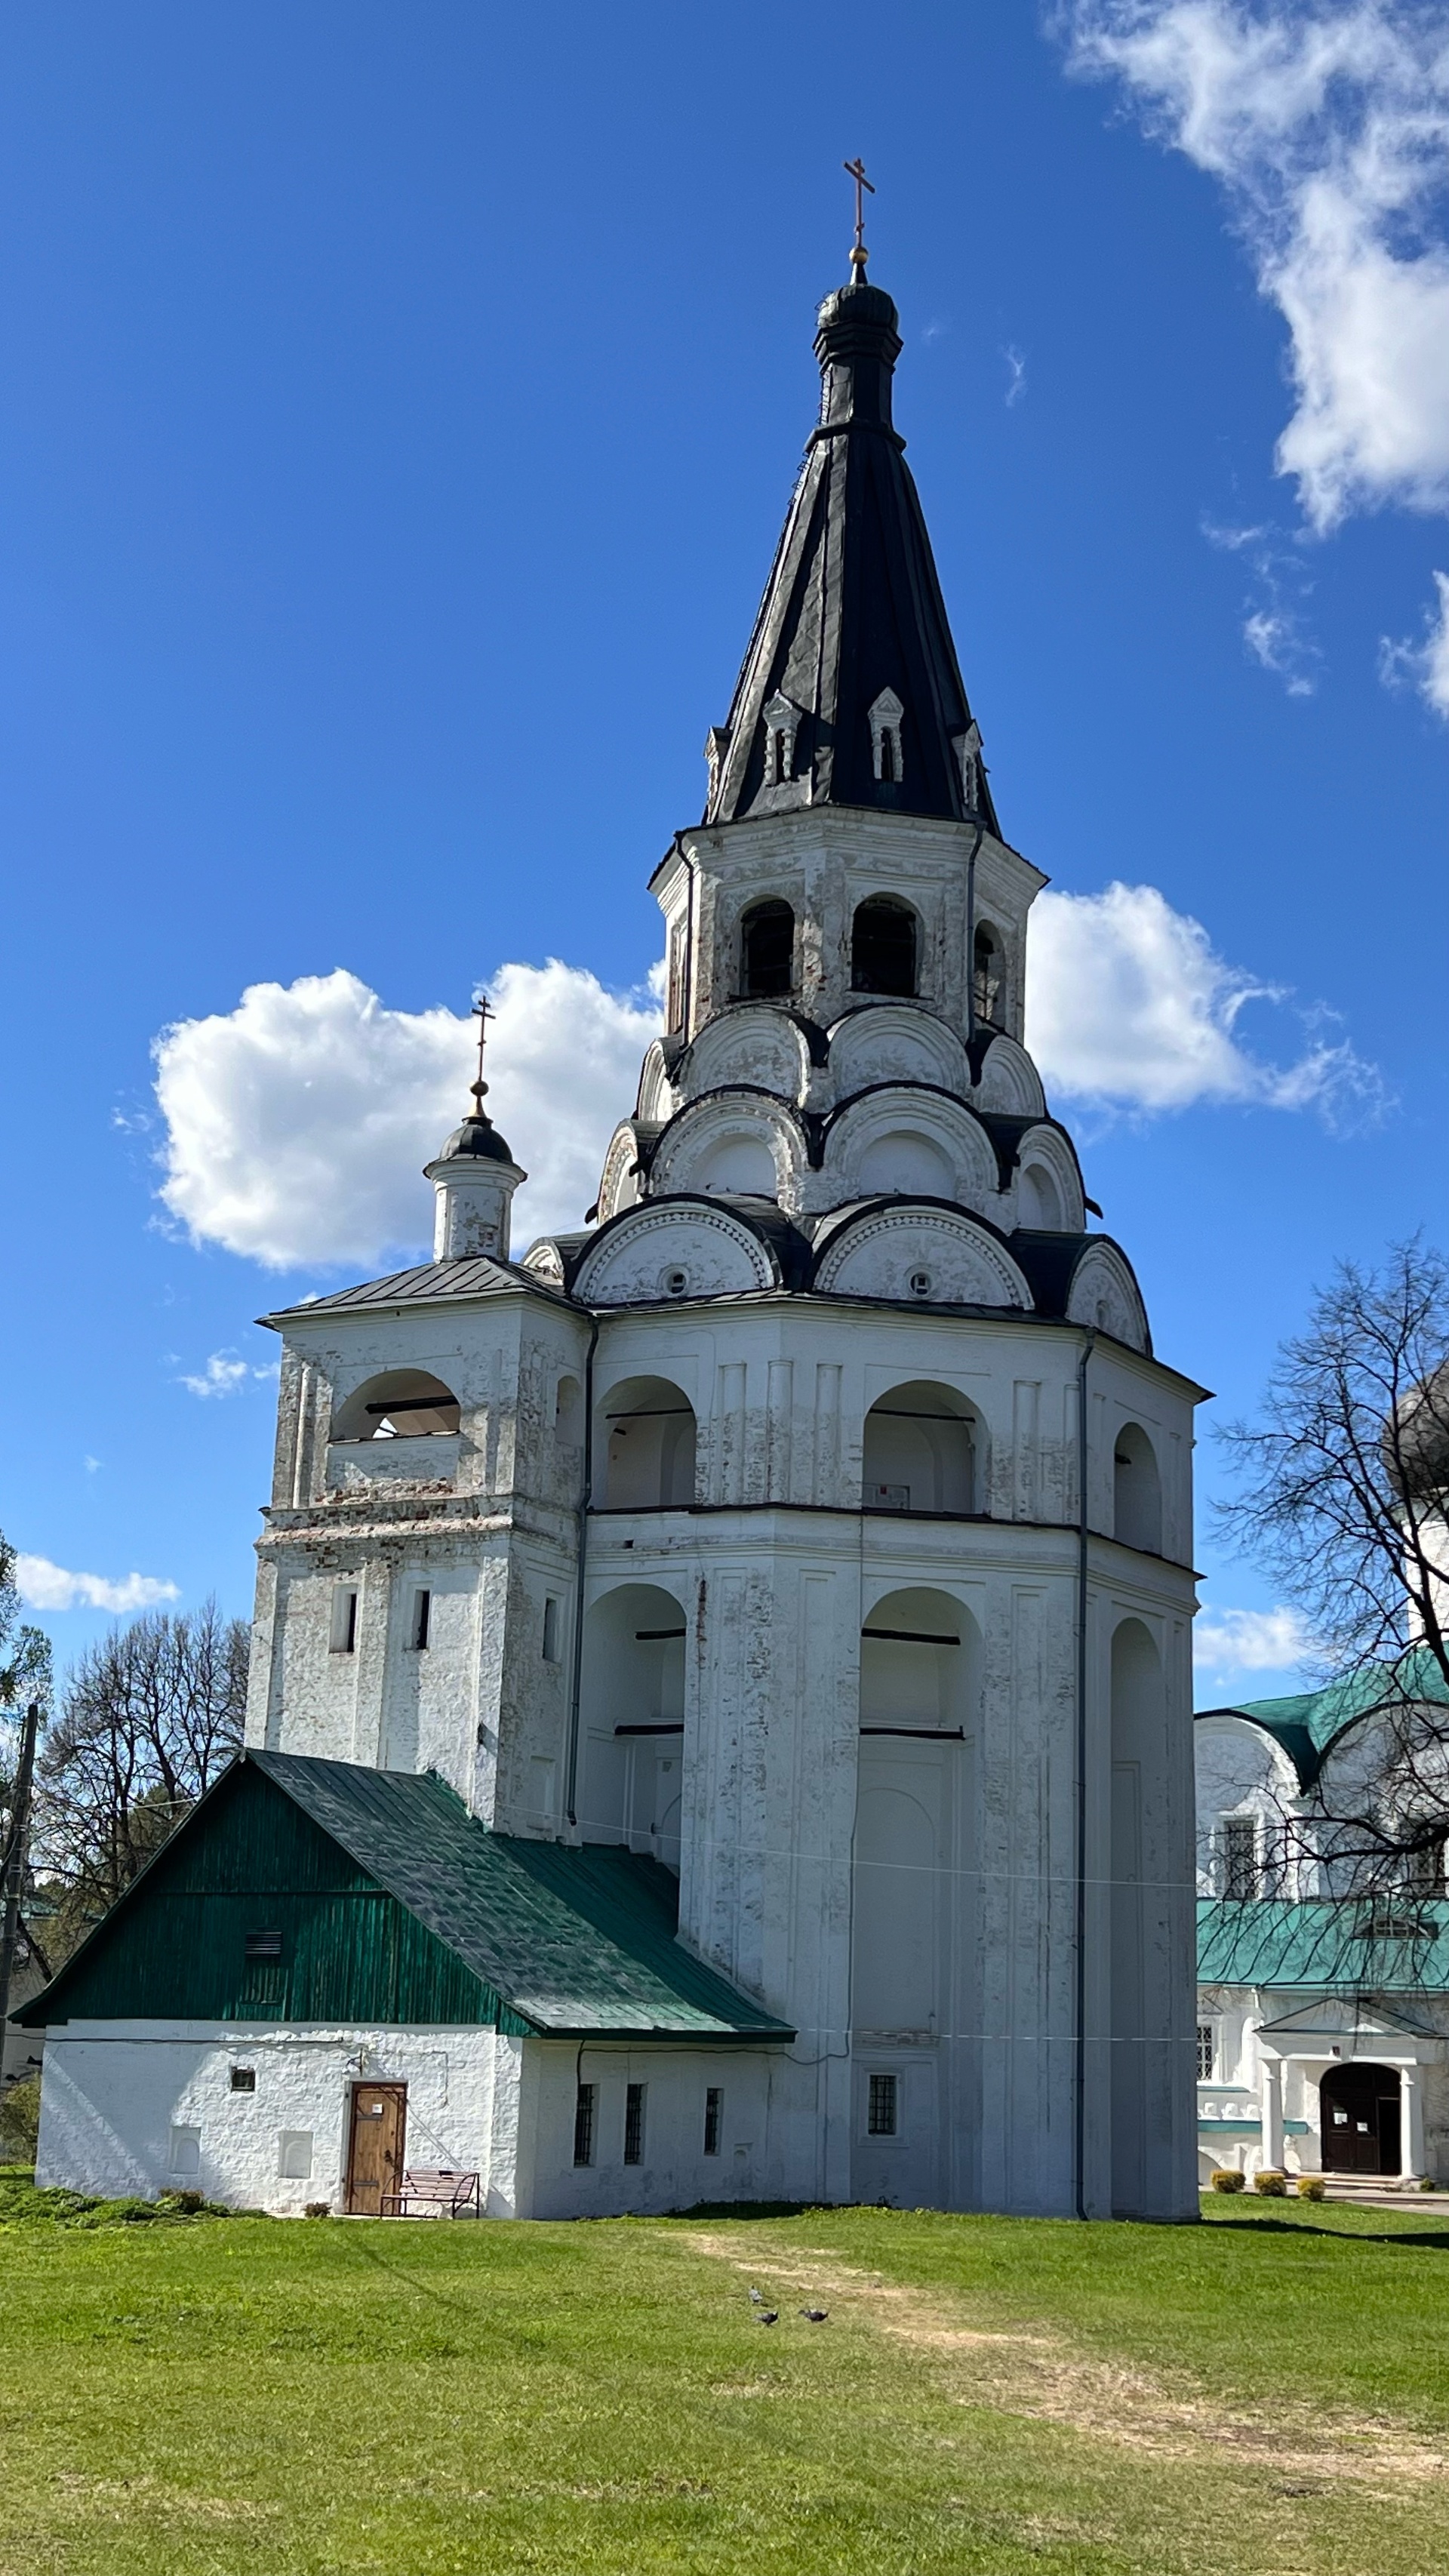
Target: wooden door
x: 1359, y: 2110
x: 375, y: 2150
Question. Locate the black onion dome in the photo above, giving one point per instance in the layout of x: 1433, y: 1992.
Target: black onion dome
x: 477, y: 1137
x: 1416, y: 1441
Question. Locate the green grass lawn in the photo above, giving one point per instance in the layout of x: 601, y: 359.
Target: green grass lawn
x: 1269, y: 2391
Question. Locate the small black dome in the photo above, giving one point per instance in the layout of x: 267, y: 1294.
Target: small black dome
x: 1416, y: 1441
x: 479, y: 1137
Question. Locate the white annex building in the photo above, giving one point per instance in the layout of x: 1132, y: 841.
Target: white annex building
x: 721, y: 1681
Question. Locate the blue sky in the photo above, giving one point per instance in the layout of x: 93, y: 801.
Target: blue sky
x: 398, y: 414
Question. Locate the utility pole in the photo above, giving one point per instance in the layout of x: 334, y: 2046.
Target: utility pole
x: 12, y: 1876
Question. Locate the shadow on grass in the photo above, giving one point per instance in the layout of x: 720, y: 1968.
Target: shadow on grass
x: 1437, y: 2243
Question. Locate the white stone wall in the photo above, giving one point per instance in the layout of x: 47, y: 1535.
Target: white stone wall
x: 147, y: 2107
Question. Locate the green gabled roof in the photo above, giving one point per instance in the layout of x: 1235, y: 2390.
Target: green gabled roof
x: 1378, y: 1947
x: 1308, y: 1723
x: 576, y: 1938
x: 534, y: 1937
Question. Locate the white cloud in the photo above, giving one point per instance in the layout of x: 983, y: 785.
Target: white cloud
x: 1328, y: 128
x: 1130, y: 1006
x: 222, y: 1375
x: 1225, y: 1642
x: 298, y: 1124
x: 43, y: 1586
x: 1425, y: 665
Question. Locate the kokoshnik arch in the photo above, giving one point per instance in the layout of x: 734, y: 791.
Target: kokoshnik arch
x: 720, y: 1714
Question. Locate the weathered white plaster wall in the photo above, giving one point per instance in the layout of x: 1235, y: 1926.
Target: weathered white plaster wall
x: 115, y: 2093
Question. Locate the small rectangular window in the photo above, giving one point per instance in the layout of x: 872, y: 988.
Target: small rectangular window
x: 263, y: 1945
x: 185, y: 2156
x: 294, y: 2155
x: 243, y: 2079
x: 880, y: 2117
x: 634, y: 2125
x: 550, y: 1630
x: 713, y: 2118
x: 1207, y: 2051
x: 344, y: 1619
x: 584, y: 2125
x: 422, y: 1620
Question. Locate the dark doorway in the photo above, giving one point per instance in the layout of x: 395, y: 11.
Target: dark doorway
x: 767, y: 942
x: 883, y: 947
x: 1360, y: 2112
x: 375, y: 2147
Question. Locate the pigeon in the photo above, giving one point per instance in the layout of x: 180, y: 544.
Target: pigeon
x: 815, y: 2316
x: 757, y: 2298
x: 769, y: 2316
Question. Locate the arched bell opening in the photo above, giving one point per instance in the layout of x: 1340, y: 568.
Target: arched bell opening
x: 767, y: 951
x: 987, y: 980
x: 884, y: 947
x: 632, y: 1720
x: 645, y: 1445
x: 923, y: 1451
x: 1136, y: 1490
x: 401, y: 1404
x: 920, y: 1665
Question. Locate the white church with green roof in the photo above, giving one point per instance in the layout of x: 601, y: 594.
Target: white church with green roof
x: 721, y: 1721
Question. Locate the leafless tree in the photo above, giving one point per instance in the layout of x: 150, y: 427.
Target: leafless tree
x: 149, y: 1717
x: 1344, y: 1498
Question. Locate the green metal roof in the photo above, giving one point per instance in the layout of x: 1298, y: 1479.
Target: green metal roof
x: 1381, y: 1947
x: 567, y: 1942
x: 1308, y: 1723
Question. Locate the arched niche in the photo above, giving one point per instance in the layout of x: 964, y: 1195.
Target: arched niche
x: 883, y: 1044
x: 920, y: 1665
x: 632, y: 1720
x: 901, y: 1130
x: 1038, y: 1199
x: 1139, y: 1954
x: 918, y: 1255
x: 401, y: 1404
x: 759, y: 1045
x: 1136, y: 1490
x: 644, y: 1445
x: 735, y: 1143
x: 568, y: 1412
x: 884, y: 946
x: 673, y: 1248
x: 1009, y: 1081
x: 923, y: 1450
x: 1105, y: 1294
x: 767, y: 950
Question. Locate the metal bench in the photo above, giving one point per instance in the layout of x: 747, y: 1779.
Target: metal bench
x: 434, y: 2193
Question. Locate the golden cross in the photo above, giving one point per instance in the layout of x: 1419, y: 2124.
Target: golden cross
x: 482, y: 1014
x: 856, y: 170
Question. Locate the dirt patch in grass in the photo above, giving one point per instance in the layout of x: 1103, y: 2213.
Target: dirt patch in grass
x: 1038, y: 2373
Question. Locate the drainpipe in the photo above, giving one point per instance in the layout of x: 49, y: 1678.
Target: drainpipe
x: 1088, y: 1344
x: 971, y: 932
x: 576, y: 1685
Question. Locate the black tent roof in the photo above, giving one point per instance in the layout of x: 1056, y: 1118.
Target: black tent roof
x: 853, y: 607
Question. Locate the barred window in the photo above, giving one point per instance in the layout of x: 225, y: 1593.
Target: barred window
x: 1207, y: 2051
x: 584, y: 2125
x: 713, y: 2118
x: 634, y: 2125
x: 880, y: 2118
